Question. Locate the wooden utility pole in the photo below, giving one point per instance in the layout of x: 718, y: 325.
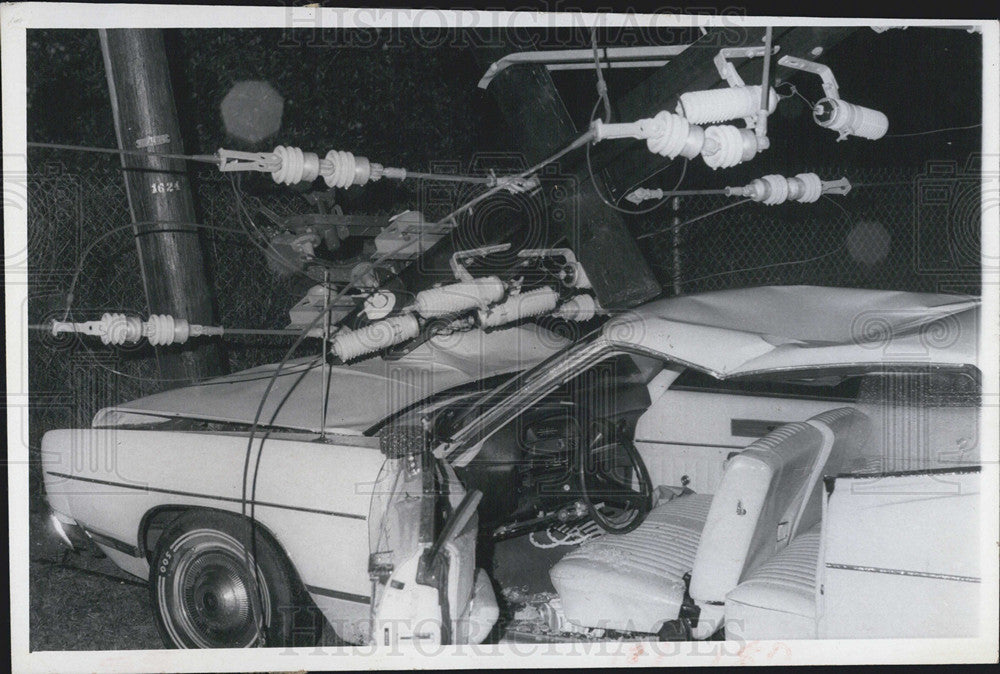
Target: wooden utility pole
x: 159, y: 195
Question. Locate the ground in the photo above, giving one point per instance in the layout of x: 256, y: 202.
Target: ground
x: 82, y: 602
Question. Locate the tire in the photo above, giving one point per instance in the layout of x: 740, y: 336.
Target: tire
x: 203, y: 589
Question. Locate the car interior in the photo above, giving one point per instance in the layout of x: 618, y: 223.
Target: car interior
x: 642, y: 497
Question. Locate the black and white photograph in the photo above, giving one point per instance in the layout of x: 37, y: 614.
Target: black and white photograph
x: 424, y: 338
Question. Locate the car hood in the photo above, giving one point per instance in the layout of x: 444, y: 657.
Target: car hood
x: 361, y: 394
x: 774, y: 328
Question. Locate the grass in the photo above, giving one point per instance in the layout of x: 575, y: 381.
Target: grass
x: 81, y: 602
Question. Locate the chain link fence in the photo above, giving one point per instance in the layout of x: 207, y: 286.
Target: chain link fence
x: 895, y: 230
x: 898, y: 229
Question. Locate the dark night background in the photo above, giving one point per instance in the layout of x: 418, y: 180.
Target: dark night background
x: 387, y: 96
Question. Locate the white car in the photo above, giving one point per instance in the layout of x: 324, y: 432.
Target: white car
x: 765, y: 463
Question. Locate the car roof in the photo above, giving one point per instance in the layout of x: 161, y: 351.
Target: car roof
x: 362, y: 393
x: 770, y: 329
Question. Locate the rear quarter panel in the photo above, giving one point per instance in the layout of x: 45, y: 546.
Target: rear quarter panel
x: 314, y: 497
x: 900, y: 556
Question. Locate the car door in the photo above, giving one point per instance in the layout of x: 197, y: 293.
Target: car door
x: 423, y: 548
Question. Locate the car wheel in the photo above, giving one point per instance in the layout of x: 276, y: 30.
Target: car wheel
x: 205, y: 594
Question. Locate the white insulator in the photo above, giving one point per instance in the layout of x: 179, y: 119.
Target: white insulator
x: 343, y: 169
x: 478, y: 293
x: 721, y: 105
x: 726, y: 146
x: 810, y: 190
x: 119, y: 328
x: 675, y: 136
x: 310, y: 166
x: 163, y: 330
x: 776, y: 191
x: 578, y: 308
x: 849, y: 119
x: 517, y: 307
x: 296, y: 165
x: 375, y: 337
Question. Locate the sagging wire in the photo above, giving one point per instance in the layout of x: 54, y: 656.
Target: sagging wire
x: 602, y: 86
x: 671, y: 228
x: 822, y: 256
x: 322, y: 315
x: 794, y: 92
x: 768, y: 266
x: 931, y: 131
x: 74, y: 281
x: 593, y: 180
x: 267, y: 248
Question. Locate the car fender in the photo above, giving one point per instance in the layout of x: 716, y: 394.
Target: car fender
x: 313, y: 496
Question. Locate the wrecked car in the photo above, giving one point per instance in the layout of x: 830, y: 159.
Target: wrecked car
x: 765, y: 463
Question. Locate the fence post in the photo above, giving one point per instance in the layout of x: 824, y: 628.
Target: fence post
x: 173, y: 267
x: 676, y: 274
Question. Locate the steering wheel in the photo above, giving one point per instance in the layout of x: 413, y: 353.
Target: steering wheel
x: 617, y: 507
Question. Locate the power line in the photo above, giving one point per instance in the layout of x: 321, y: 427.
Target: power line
x: 927, y: 133
x: 694, y: 219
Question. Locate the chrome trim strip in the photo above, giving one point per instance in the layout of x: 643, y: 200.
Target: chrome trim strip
x: 903, y: 572
x: 228, y: 499
x: 337, y: 594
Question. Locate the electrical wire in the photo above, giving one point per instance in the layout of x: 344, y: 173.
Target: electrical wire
x: 602, y: 86
x: 583, y: 139
x: 671, y: 228
x: 267, y: 248
x: 927, y: 133
x: 768, y: 266
x: 70, y: 295
x: 836, y: 250
x: 256, y: 425
x: 132, y: 225
x: 203, y: 158
x: 216, y: 160
x: 794, y: 92
x: 600, y: 194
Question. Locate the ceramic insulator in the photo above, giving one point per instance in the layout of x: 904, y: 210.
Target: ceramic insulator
x: 525, y: 305
x: 727, y: 146
x: 343, y: 169
x: 478, y: 293
x: 849, y: 119
x: 579, y: 308
x: 776, y: 190
x: 119, y: 328
x: 810, y: 190
x: 375, y: 337
x: 675, y: 136
x: 721, y: 105
x: 163, y: 330
x: 296, y: 165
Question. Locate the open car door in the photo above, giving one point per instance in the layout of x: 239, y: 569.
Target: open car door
x: 425, y: 586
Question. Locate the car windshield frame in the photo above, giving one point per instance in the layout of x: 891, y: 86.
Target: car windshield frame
x: 466, y: 422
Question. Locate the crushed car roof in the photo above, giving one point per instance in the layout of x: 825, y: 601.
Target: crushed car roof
x: 747, y: 331
x: 361, y: 393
